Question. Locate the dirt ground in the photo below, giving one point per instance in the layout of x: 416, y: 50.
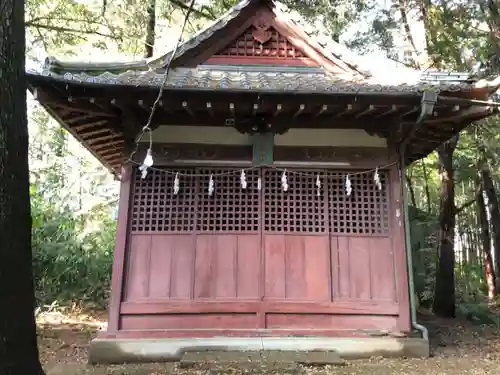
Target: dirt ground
x: 458, y: 347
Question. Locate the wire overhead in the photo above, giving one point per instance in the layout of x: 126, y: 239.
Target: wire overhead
x: 148, y: 161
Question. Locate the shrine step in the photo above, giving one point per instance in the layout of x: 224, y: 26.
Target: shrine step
x: 282, y: 360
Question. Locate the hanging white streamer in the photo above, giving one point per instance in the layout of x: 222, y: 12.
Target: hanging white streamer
x: 243, y: 179
x: 148, y: 162
x: 318, y: 185
x: 284, y: 181
x: 176, y: 184
x: 376, y: 178
x: 211, y: 185
x: 348, y: 186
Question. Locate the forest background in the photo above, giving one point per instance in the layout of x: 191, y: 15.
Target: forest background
x: 74, y: 199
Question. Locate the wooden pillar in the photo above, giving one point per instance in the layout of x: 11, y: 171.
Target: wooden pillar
x: 399, y: 246
x: 120, y: 250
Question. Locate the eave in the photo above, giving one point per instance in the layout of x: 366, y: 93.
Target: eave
x: 105, y: 117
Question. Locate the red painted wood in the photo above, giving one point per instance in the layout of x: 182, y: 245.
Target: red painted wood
x: 182, y: 271
x: 189, y: 322
x: 236, y: 45
x: 249, y: 321
x: 138, y: 268
x: 297, y: 267
x: 275, y: 272
x: 323, y: 321
x: 261, y: 259
x: 274, y: 46
x: 382, y: 275
x: 257, y: 60
x: 249, y: 267
x: 207, y: 333
x: 120, y: 249
x: 159, y: 266
x: 157, y: 306
x: 364, y: 268
x: 227, y: 266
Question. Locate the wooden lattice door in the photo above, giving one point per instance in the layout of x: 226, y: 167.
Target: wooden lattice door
x: 274, y: 256
x: 227, y: 264
x: 295, y: 237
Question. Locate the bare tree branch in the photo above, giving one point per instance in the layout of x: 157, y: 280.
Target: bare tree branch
x: 199, y: 12
x: 71, y: 30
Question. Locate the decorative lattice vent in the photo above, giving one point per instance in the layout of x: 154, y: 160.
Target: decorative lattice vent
x: 299, y: 209
x: 156, y: 208
x: 366, y: 211
x: 261, y: 42
x: 230, y: 208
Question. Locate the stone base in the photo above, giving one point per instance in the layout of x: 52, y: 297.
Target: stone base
x: 116, y: 351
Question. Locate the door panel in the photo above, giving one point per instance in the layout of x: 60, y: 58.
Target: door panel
x: 269, y: 255
x: 297, y: 267
x: 295, y: 237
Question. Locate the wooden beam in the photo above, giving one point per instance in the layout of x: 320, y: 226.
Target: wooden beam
x: 98, y: 140
x: 279, y: 107
x: 209, y: 109
x: 72, y: 104
x: 72, y: 119
x: 143, y: 105
x: 255, y: 108
x: 100, y: 145
x: 185, y: 106
x: 347, y: 110
x: 89, y: 133
x: 88, y: 125
x: 323, y: 110
x: 300, y: 110
x: 393, y: 109
x: 370, y: 109
x: 415, y: 109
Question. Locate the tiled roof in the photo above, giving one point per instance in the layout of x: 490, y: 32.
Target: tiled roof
x: 262, y: 80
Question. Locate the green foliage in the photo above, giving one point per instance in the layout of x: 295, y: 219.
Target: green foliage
x: 67, y: 266
x: 423, y: 247
x: 72, y: 203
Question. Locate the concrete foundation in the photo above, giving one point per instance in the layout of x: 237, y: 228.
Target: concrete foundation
x: 116, y: 351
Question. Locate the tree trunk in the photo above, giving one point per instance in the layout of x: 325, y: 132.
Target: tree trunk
x: 426, y: 187
x: 18, y: 341
x: 150, y: 29
x: 494, y: 210
x: 402, y: 5
x: 411, y: 190
x: 444, y: 294
x: 489, y: 273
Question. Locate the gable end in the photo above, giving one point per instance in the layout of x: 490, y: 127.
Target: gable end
x: 261, y: 44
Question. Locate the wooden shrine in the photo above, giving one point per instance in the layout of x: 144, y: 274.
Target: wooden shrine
x: 274, y: 207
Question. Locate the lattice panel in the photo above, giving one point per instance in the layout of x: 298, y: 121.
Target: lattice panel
x: 248, y: 45
x: 230, y: 208
x: 155, y: 207
x: 298, y: 210
x: 366, y: 211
